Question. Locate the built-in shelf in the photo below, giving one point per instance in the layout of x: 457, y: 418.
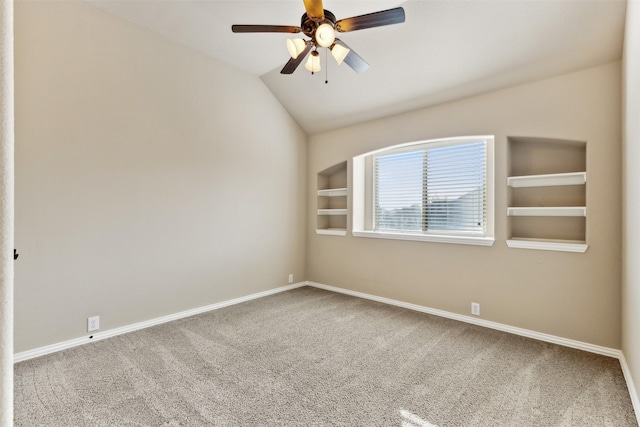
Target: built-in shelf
x: 549, y: 245
x: 332, y: 211
x: 332, y: 231
x: 333, y: 192
x: 547, y: 194
x: 548, y: 180
x: 332, y: 201
x: 548, y: 211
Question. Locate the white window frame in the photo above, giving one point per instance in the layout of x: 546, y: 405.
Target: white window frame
x: 363, y: 199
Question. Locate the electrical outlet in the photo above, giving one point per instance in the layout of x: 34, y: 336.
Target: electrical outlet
x: 93, y: 323
x: 475, y: 309
x: 291, y: 278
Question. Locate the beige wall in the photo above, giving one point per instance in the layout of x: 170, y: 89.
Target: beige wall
x: 575, y: 296
x: 631, y: 205
x: 150, y: 179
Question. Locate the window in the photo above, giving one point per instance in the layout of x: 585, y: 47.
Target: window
x: 438, y: 190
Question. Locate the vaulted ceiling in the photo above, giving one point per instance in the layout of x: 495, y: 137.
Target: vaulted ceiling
x: 446, y: 49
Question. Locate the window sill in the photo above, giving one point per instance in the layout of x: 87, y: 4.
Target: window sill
x: 460, y: 240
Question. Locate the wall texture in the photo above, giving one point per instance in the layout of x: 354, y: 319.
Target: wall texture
x: 6, y: 212
x: 575, y: 296
x: 150, y: 179
x: 631, y: 206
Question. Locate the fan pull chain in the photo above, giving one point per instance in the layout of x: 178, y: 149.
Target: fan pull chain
x: 326, y: 66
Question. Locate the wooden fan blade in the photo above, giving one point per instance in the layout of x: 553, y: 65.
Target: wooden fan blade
x: 293, y: 63
x: 315, y: 10
x: 354, y: 60
x: 370, y: 20
x: 265, y: 29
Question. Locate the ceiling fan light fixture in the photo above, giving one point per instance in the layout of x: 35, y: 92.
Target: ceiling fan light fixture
x: 325, y: 35
x: 339, y: 52
x: 313, y: 63
x: 295, y: 47
x: 320, y: 26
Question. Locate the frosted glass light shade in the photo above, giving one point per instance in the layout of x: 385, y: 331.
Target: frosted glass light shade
x: 295, y: 47
x: 313, y: 63
x: 339, y: 52
x: 325, y: 35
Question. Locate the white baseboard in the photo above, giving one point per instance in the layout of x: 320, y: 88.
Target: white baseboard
x: 605, y: 351
x: 611, y: 352
x: 41, y: 351
x: 633, y: 392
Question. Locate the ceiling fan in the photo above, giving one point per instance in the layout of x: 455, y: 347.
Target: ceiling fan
x: 321, y: 26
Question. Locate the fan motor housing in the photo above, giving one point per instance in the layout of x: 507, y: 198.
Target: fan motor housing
x: 309, y: 26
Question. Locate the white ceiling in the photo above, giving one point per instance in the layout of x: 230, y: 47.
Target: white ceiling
x: 446, y: 49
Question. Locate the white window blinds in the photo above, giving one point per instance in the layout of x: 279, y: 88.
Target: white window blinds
x: 432, y: 189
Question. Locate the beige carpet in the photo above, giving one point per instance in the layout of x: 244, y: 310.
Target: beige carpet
x: 311, y: 357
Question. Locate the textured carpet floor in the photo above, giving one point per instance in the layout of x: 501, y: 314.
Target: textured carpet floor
x: 312, y: 357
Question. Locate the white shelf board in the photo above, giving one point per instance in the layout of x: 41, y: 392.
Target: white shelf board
x: 548, y: 211
x: 332, y: 211
x: 332, y: 231
x: 549, y: 245
x: 333, y: 192
x: 548, y: 180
